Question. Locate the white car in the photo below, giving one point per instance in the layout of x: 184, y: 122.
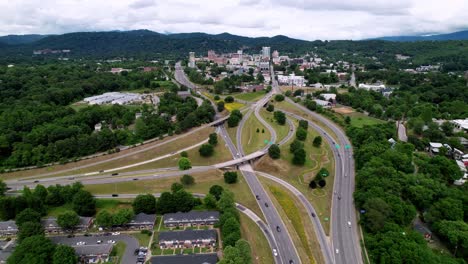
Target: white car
x: 275, y: 252
x: 80, y: 243
x: 337, y: 251
x: 349, y: 223
x: 111, y: 241
x: 116, y: 233
x: 99, y: 241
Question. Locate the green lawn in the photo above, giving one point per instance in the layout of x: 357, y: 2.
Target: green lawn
x: 360, y: 119
x: 281, y: 130
x: 253, y: 96
x: 261, y: 252
x: 143, y: 239
x: 55, y: 211
x: 112, y: 205
x: 118, y: 250
x: 253, y: 138
x: 300, y: 176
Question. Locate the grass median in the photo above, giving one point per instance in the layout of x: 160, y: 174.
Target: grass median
x: 281, y: 130
x: 261, y: 251
x: 254, y: 135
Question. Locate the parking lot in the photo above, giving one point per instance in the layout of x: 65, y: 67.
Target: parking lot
x: 130, y: 242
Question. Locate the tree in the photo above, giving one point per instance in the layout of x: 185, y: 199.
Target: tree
x: 226, y: 201
x: 213, y: 139
x: 27, y: 215
x: 317, y: 141
x: 184, y: 154
x: 270, y: 108
x: 304, y: 124
x: 279, y: 97
x: 216, y: 191
x: 206, y: 150
x: 230, y: 177
x: 322, y: 183
x: 40, y: 192
x: 176, y: 186
x: 210, y: 201
x: 183, y: 201
x: 229, y: 99
x: 323, y: 172
x: 84, y: 203
x: 34, y: 249
x: 447, y: 127
x: 123, y: 216
x: 301, y: 134
x: 187, y: 180
x: 274, y: 151
x: 220, y: 106
x: 144, y: 203
x: 230, y: 231
x: 244, y: 250
x: 104, y: 219
x: 165, y: 203
x: 232, y: 255
x: 64, y: 254
x: 312, y: 184
x: 233, y: 121
x: 3, y: 188
x: 445, y: 209
x: 184, y: 164
x: 68, y: 220
x: 295, y: 145
x: 299, y: 157
x: 28, y: 229
x: 280, y: 117
x: 347, y: 120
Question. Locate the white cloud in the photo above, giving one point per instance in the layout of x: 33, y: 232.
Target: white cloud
x: 304, y: 19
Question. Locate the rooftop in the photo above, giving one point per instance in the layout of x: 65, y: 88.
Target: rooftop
x: 192, y: 215
x: 143, y: 218
x: 93, y: 250
x: 184, y: 259
x: 187, y: 235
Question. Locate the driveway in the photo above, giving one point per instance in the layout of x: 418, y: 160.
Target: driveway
x: 130, y: 242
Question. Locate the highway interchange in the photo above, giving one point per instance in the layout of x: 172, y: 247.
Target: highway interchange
x: 343, y: 245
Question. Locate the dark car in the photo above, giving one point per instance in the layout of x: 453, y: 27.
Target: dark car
x: 291, y: 261
x: 115, y: 195
x: 266, y: 205
x: 136, y: 251
x: 313, y: 215
x: 36, y: 181
x: 339, y: 197
x: 257, y: 197
x: 115, y: 174
x: 135, y: 179
x: 278, y: 229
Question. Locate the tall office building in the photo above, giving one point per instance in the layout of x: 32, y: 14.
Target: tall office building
x: 266, y: 53
x: 191, y: 63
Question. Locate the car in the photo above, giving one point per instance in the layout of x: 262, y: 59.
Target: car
x: 349, y: 224
x: 80, y: 243
x: 71, y: 178
x: 291, y: 261
x: 275, y: 253
x: 266, y: 205
x: 135, y: 179
x: 136, y: 251
x: 36, y: 181
x: 115, y: 174
x: 337, y: 251
x: 101, y: 171
x: 339, y: 197
x: 111, y: 241
x: 99, y: 242
x: 278, y: 229
x: 107, y: 234
x: 257, y: 197
x: 313, y: 215
x: 116, y: 233
x: 115, y: 195
x: 86, y: 235
x: 70, y: 236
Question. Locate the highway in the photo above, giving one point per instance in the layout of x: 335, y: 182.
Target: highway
x: 345, y: 237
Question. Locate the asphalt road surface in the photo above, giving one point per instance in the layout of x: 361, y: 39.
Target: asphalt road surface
x: 344, y: 227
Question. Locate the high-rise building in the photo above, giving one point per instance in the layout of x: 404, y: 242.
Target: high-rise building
x: 191, y: 63
x: 275, y: 54
x: 266, y: 53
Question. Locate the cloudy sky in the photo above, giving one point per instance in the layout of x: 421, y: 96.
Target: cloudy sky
x: 303, y: 19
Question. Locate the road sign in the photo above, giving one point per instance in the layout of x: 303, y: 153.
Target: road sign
x: 265, y: 141
x: 347, y: 146
x: 326, y: 219
x: 337, y: 146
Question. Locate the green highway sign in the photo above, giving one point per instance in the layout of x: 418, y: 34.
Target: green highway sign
x: 337, y: 146
x: 347, y: 146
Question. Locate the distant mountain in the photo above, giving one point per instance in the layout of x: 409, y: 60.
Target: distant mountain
x: 21, y: 39
x: 460, y: 35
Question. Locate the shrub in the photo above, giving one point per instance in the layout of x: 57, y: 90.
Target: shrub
x: 230, y: 177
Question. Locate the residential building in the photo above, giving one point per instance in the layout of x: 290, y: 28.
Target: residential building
x: 328, y: 96
x: 142, y: 221
x: 98, y: 253
x: 323, y: 103
x: 192, y: 218
x: 8, y: 228
x: 264, y: 65
x: 434, y: 147
x: 191, y: 62
x: 51, y: 226
x: 371, y: 87
x: 184, y: 259
x: 98, y: 127
x: 291, y: 80
x: 187, y: 238
x: 119, y: 70
x: 460, y: 124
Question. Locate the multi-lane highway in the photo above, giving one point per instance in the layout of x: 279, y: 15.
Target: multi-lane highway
x: 344, y: 226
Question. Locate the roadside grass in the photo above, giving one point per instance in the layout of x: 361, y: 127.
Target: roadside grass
x: 300, y: 176
x: 233, y: 106
x: 252, y: 137
x: 221, y: 154
x: 143, y: 239
x: 232, y: 131
x: 182, y: 142
x: 118, y: 250
x: 293, y: 215
x: 287, y: 106
x: 203, y: 182
x: 252, y: 96
x: 281, y: 130
x: 261, y: 252
x: 359, y: 119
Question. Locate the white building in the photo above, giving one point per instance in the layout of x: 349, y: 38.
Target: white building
x: 434, y: 147
x: 460, y: 124
x: 329, y: 96
x: 291, y: 80
x: 191, y: 63
x: 323, y: 103
x: 113, y: 98
x: 371, y: 87
x: 266, y: 53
